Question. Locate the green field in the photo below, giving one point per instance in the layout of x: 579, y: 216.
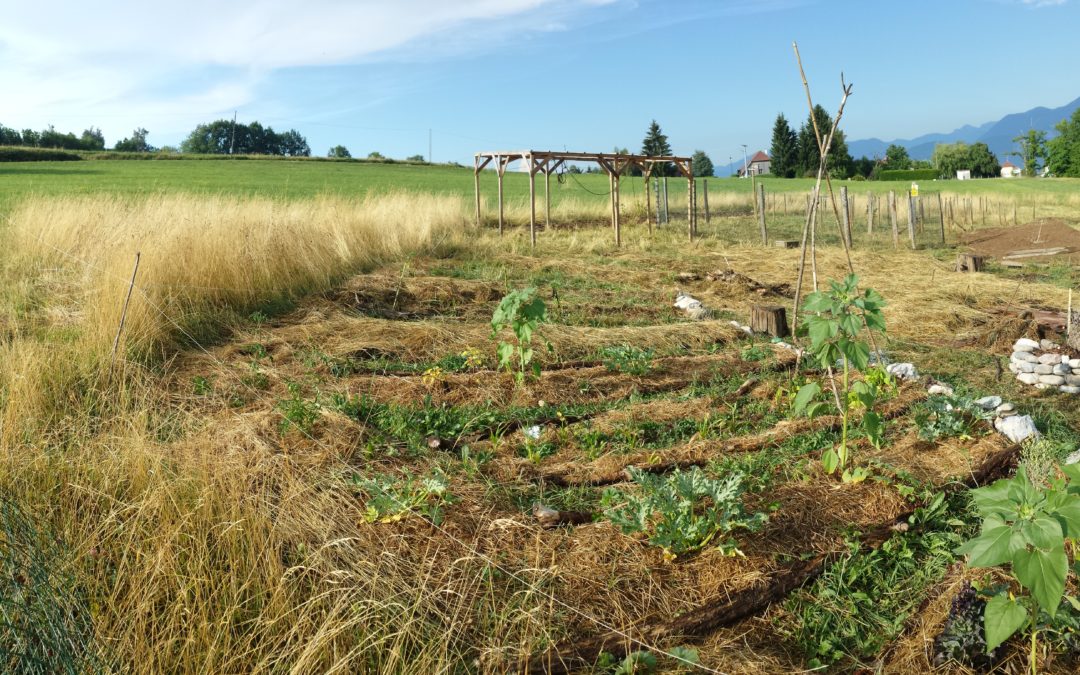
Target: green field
x: 300, y: 179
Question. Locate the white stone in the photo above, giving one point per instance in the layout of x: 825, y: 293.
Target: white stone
x: 1006, y: 407
x: 1025, y: 367
x: 1025, y: 345
x: 1047, y: 344
x: 903, y: 371
x: 1072, y: 380
x: 686, y: 302
x: 1017, y: 427
x: 1024, y: 356
x: 1049, y: 359
x: 1065, y: 359
x: 1074, y: 364
x: 1043, y: 369
x: 1028, y: 378
x: 1007, y: 413
x: 1014, y: 367
x: 1062, y: 369
x: 1066, y: 389
x: 1073, y: 457
x: 988, y: 402
x: 940, y: 389
x: 1043, y: 385
x: 1053, y: 380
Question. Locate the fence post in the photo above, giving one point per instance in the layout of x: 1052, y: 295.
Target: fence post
x: 665, y: 201
x: 869, y: 212
x: 912, y: 217
x: 705, y: 196
x: 941, y: 218
x: 761, y: 214
x: 892, y: 219
x: 846, y: 214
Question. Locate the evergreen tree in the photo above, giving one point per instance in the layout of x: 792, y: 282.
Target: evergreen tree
x: 784, y: 149
x: 839, y: 162
x: 701, y: 165
x: 656, y: 144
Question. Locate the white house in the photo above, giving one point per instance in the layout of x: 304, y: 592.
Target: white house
x: 1010, y: 170
x: 963, y: 174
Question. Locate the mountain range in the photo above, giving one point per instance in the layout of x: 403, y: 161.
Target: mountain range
x: 997, y: 135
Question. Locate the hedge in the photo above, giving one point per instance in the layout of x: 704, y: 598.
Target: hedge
x: 20, y: 154
x: 908, y: 174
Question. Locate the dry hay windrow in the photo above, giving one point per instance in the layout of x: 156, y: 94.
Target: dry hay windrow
x: 611, y: 469
x: 404, y: 297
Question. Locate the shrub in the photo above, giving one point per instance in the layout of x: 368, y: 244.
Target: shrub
x: 907, y: 174
x: 17, y: 154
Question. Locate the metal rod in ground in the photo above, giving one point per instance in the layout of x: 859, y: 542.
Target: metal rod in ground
x: 123, y: 312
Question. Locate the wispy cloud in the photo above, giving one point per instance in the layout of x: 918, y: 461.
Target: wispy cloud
x: 118, y: 63
x: 1043, y: 3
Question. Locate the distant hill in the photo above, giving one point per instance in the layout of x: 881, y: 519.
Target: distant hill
x: 998, y: 135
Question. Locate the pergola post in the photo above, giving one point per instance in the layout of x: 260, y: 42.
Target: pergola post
x: 648, y: 196
x: 532, y: 200
x: 476, y: 186
x: 500, y: 169
x: 547, y: 196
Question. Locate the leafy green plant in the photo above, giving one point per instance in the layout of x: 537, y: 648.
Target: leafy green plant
x: 834, y: 322
x: 755, y: 352
x: 391, y: 498
x: 627, y: 359
x: 948, y: 417
x: 1026, y: 526
x: 522, y: 312
x: 683, y: 511
x: 297, y: 411
x: 201, y: 385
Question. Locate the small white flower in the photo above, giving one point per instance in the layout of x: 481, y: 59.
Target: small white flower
x: 533, y: 432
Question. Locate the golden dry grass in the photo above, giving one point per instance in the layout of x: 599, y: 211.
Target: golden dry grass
x: 206, y: 541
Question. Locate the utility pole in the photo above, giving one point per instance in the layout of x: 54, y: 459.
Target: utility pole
x: 745, y: 166
x: 232, y: 139
x: 429, y: 146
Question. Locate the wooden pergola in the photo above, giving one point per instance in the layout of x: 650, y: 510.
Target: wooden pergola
x: 615, y: 165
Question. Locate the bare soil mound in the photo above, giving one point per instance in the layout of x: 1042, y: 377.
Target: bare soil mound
x: 1037, y: 241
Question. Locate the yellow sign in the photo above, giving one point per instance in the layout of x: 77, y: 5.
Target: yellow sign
x: 914, y: 189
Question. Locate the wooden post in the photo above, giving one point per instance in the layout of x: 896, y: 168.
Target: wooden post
x: 656, y: 185
x: 476, y: 187
x: 912, y: 217
x: 761, y: 214
x: 869, y: 212
x: 547, y: 195
x: 892, y: 219
x: 665, y: 201
x: 618, y: 224
x: 500, y: 169
x: 648, y: 197
x: 690, y: 204
x: 844, y: 207
x: 532, y: 201
x: 769, y: 319
x: 941, y: 218
x: 705, y: 196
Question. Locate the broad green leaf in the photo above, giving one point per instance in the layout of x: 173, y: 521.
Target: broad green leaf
x: 1043, y: 532
x: 992, y: 547
x: 1043, y: 572
x: 874, y: 427
x: 1003, y: 617
x: 1069, y: 514
x: 830, y: 460
x: 807, y: 393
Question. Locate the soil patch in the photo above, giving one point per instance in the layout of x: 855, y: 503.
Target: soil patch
x: 1022, y: 243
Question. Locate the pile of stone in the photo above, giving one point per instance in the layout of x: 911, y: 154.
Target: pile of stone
x: 1043, y: 365
x: 693, y: 307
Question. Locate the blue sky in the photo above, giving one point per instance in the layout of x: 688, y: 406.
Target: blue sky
x: 546, y: 74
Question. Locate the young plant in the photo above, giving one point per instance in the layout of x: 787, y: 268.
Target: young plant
x: 522, y: 312
x: 1026, y: 526
x: 627, y: 359
x: 948, y: 417
x: 683, y: 511
x: 834, y: 322
x: 390, y: 499
x: 298, y: 412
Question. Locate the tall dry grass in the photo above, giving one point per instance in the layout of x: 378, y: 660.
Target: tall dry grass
x: 200, y: 547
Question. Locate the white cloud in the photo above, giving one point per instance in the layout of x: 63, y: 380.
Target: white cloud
x: 1043, y: 3
x: 120, y: 63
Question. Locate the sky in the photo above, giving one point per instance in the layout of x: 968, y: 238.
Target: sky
x: 582, y: 75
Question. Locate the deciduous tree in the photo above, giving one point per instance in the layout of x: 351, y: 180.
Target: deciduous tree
x: 1032, y: 149
x: 897, y: 158
x: 701, y: 165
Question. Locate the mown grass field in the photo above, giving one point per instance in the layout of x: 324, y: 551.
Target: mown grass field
x: 304, y: 457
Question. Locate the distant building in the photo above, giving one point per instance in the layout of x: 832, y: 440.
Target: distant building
x: 963, y: 174
x: 759, y: 164
x: 1010, y: 170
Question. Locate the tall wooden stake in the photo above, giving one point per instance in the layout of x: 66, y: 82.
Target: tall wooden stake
x: 912, y: 216
x: 476, y: 187
x: 846, y: 213
x: 941, y: 218
x: 123, y: 312
x: 869, y: 212
x: 532, y: 203
x: 761, y: 214
x: 705, y: 196
x: 501, y: 168
x: 892, y: 219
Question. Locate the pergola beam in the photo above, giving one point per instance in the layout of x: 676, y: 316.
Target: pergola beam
x: 614, y: 164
